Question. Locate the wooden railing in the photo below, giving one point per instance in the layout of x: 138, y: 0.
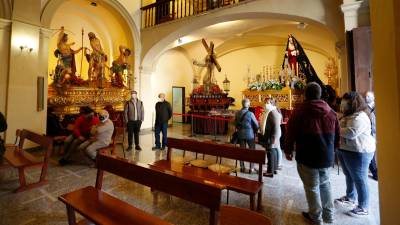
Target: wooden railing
x: 168, y: 10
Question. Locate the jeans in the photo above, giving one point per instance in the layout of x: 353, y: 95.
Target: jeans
x: 272, y: 156
x: 251, y: 144
x: 161, y: 128
x: 355, y: 168
x: 70, y: 145
x: 317, y: 187
x: 373, y: 167
x: 133, y: 128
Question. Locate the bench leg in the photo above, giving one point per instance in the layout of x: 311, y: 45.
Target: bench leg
x: 213, y: 217
x: 71, y: 215
x: 259, y: 200
x: 252, y: 202
x: 227, y: 196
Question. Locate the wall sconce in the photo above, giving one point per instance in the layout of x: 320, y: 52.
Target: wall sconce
x: 26, y: 47
x: 179, y: 41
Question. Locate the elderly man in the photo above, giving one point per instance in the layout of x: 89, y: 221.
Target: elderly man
x: 133, y: 117
x: 101, y: 136
x: 314, y: 129
x: 247, y: 127
x: 163, y: 114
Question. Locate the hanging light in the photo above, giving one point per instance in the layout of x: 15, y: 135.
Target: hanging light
x: 227, y: 84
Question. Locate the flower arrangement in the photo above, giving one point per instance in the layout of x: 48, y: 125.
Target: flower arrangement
x: 201, y: 90
x: 267, y: 85
x: 299, y: 85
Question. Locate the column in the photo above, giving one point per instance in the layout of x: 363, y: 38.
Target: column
x: 5, y: 28
x: 356, y: 13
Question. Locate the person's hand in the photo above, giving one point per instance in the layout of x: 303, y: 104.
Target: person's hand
x: 81, y: 138
x: 289, y: 156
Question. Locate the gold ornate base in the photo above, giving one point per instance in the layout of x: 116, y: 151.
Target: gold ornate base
x: 287, y: 98
x: 69, y: 101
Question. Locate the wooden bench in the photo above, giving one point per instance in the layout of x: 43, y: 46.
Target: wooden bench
x: 101, y: 208
x: 231, y: 215
x: 18, y: 158
x: 234, y: 183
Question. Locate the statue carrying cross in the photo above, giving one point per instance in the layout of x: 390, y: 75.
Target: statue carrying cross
x: 210, y: 62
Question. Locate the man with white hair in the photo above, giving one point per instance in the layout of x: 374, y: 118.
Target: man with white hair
x: 370, y: 100
x: 163, y: 114
x: 101, y: 136
x: 247, y: 126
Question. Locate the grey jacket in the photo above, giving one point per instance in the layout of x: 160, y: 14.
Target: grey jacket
x: 355, y: 133
x: 273, y: 129
x: 247, y: 126
x: 129, y: 111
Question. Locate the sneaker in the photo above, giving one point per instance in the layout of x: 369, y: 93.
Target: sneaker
x: 129, y: 148
x: 345, y: 201
x: 137, y: 147
x: 162, y: 148
x: 155, y: 148
x: 358, y: 211
x: 307, y: 216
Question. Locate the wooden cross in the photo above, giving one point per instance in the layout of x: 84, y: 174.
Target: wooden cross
x: 211, y: 53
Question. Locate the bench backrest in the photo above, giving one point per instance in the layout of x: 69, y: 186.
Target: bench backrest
x: 220, y: 150
x: 192, y: 189
x: 45, y: 142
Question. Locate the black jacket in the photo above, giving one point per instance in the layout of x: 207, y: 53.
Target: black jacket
x: 163, y: 112
x: 3, y: 123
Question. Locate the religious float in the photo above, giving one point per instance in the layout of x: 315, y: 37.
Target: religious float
x: 105, y: 86
x: 208, y: 103
x: 285, y: 83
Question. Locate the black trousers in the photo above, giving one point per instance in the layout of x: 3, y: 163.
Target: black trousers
x: 272, y: 156
x: 133, y: 128
x: 251, y: 145
x: 373, y: 167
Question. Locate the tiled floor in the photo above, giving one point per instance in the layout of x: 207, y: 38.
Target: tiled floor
x: 283, y: 198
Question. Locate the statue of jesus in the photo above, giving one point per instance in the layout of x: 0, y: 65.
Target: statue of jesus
x: 209, y: 76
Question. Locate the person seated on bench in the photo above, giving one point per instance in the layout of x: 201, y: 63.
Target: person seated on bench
x: 81, y: 133
x: 54, y: 127
x: 101, y: 136
x: 3, y: 127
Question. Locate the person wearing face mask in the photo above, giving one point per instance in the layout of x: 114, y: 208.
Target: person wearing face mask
x: 272, y: 134
x: 313, y: 131
x: 357, y: 147
x: 163, y: 114
x: 370, y: 100
x: 101, y: 136
x: 133, y: 117
x: 81, y: 133
x: 247, y: 126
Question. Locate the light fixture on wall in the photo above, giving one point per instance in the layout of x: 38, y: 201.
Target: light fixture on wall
x: 226, y: 84
x: 22, y: 47
x: 302, y: 25
x: 179, y: 41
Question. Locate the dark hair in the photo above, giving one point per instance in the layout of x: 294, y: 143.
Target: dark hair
x: 313, y: 91
x: 356, y: 102
x: 86, y: 110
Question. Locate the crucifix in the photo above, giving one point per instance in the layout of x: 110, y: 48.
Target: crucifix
x: 210, y: 62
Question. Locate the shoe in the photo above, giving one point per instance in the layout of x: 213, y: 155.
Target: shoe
x: 155, y: 148
x: 162, y: 148
x: 275, y: 172
x: 373, y: 177
x: 268, y: 174
x: 63, y: 162
x: 129, y: 148
x: 137, y: 147
x: 345, y: 201
x: 358, y: 211
x: 309, y: 219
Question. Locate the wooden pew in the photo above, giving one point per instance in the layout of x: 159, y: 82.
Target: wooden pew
x: 192, y: 189
x: 16, y: 157
x: 231, y: 215
x: 238, y: 184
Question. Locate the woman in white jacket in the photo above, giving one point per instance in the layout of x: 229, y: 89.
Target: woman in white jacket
x: 357, y: 147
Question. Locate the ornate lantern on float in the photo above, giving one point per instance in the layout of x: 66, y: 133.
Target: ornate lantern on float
x: 226, y: 84
x: 195, y: 83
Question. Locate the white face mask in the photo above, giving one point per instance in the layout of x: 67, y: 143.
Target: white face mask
x: 269, y: 107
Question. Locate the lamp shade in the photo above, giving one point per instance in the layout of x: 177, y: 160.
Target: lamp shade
x: 227, y: 84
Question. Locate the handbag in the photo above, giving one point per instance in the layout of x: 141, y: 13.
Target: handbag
x: 235, y: 135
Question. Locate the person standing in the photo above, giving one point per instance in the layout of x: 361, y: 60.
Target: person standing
x: 163, y: 114
x: 3, y: 127
x: 247, y: 126
x: 314, y: 129
x: 357, y: 148
x: 370, y: 100
x: 272, y: 135
x: 133, y: 117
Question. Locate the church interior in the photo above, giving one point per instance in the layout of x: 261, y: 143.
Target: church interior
x: 72, y: 70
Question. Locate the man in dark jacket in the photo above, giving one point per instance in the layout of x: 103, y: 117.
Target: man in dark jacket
x: 314, y: 129
x: 133, y: 117
x: 163, y: 114
x: 3, y: 127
